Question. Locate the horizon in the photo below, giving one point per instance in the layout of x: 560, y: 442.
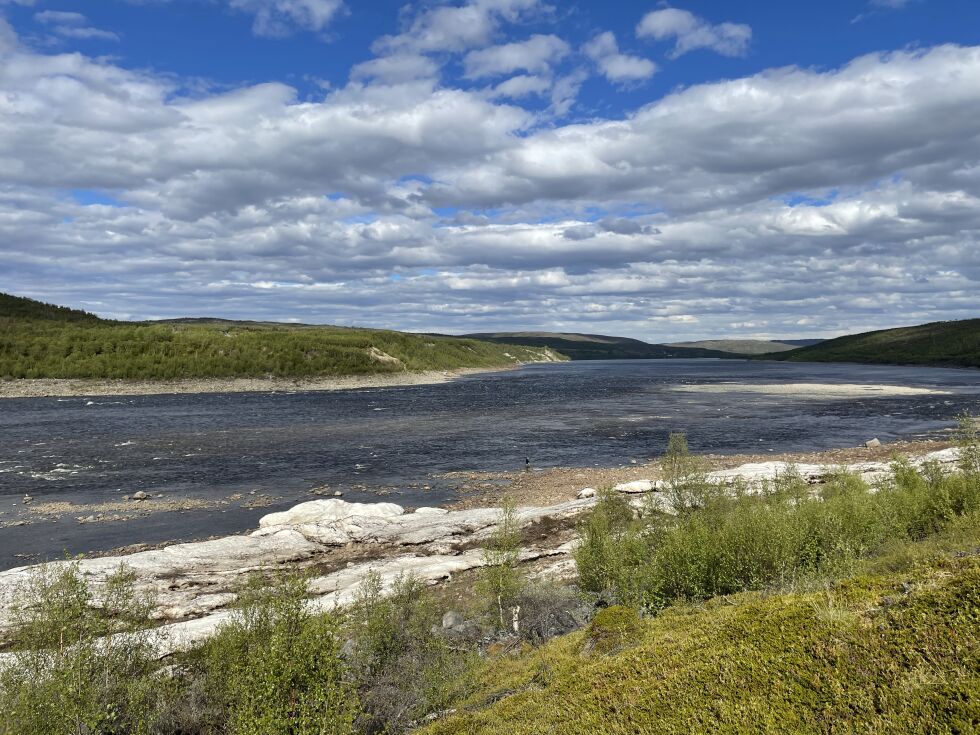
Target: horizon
x: 662, y: 172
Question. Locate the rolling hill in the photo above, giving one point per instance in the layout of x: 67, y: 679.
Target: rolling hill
x: 596, y: 346
x: 738, y: 346
x: 953, y: 344
x: 40, y: 340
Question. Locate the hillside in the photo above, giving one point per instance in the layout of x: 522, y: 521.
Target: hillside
x: 738, y: 346
x: 595, y: 346
x: 43, y: 341
x: 953, y: 344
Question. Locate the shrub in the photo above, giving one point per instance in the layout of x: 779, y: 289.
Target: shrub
x: 403, y: 668
x: 548, y: 610
x: 500, y: 581
x: 83, y: 663
x: 276, y: 668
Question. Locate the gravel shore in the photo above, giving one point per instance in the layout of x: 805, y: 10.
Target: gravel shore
x: 42, y: 387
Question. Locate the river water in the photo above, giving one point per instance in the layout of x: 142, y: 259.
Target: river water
x: 394, y: 443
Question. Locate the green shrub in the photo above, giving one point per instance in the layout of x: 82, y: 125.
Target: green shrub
x: 83, y: 662
x: 276, y: 668
x: 404, y: 669
x: 500, y: 581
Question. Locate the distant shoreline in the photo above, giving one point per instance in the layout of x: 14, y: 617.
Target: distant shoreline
x: 81, y: 387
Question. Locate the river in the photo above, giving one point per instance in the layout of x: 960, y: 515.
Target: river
x: 395, y: 443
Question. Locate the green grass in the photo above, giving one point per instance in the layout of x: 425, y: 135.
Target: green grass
x: 42, y: 341
x: 885, y: 653
x: 954, y: 344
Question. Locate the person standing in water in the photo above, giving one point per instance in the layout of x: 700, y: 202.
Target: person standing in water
x: 527, y: 463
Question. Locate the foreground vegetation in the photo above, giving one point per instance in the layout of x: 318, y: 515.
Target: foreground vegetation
x: 951, y: 344
x: 774, y: 611
x: 43, y: 341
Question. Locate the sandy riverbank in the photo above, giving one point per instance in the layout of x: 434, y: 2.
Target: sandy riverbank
x: 42, y: 387
x: 813, y: 390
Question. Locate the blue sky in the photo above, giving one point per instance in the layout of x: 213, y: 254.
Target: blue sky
x: 660, y: 171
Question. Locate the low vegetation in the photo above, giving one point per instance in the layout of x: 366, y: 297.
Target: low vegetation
x: 599, y: 346
x: 952, y: 344
x: 844, y: 608
x: 43, y: 341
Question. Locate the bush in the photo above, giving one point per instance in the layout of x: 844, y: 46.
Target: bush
x: 403, y: 667
x: 548, y: 610
x: 276, y: 668
x: 500, y: 581
x: 83, y: 662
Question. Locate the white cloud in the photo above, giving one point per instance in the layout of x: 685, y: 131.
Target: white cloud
x: 536, y: 55
x: 451, y: 28
x: 72, y: 25
x: 615, y: 66
x: 522, y: 86
x: 278, y: 18
x: 690, y: 32
x: 397, y: 68
x: 761, y: 201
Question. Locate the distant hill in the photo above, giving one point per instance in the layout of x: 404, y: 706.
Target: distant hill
x: 737, y: 346
x: 800, y: 342
x: 40, y: 340
x: 596, y: 346
x: 19, y: 307
x: 954, y: 344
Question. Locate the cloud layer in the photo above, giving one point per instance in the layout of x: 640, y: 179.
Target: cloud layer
x: 791, y: 202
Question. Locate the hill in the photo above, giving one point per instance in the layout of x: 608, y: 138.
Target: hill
x: 43, y: 341
x: 596, y: 346
x: 738, y: 346
x: 953, y: 344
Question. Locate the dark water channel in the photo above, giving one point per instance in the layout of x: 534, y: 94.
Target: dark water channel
x: 391, y: 443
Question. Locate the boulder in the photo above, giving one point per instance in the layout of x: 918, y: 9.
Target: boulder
x: 325, y: 511
x: 586, y: 492
x: 452, y: 618
x: 637, y: 486
x: 872, y: 443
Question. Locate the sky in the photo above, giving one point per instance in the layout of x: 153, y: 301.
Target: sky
x: 704, y: 169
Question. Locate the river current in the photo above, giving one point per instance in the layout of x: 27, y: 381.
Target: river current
x: 395, y: 443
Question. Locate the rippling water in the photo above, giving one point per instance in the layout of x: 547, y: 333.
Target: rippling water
x: 395, y: 441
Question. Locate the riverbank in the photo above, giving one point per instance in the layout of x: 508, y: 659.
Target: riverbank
x: 82, y: 387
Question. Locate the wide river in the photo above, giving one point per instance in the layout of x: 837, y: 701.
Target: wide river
x: 394, y: 443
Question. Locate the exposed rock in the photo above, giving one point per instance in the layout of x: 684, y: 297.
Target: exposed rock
x: 139, y: 495
x: 637, y: 486
x: 872, y: 443
x: 586, y: 492
x: 452, y: 618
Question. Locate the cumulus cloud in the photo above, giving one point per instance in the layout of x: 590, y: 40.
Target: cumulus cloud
x: 72, y: 25
x: 535, y: 55
x: 615, y: 66
x: 743, y: 206
x: 279, y: 18
x: 690, y: 32
x: 452, y: 28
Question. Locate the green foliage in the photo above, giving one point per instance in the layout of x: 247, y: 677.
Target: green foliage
x: 612, y: 629
x: 686, y: 476
x: 500, y: 582
x: 598, y: 346
x: 83, y: 662
x: 275, y: 668
x: 898, y: 654
x: 402, y: 667
x: 36, y: 343
x: 939, y: 343
x: 733, y: 542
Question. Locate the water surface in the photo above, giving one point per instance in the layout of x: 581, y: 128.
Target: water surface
x: 390, y: 443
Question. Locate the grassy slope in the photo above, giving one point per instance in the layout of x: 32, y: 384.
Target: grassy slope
x: 895, y: 649
x: 42, y: 341
x: 939, y: 343
x: 596, y: 346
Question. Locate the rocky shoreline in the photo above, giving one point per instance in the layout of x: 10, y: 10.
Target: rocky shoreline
x: 71, y: 387
x: 339, y: 543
